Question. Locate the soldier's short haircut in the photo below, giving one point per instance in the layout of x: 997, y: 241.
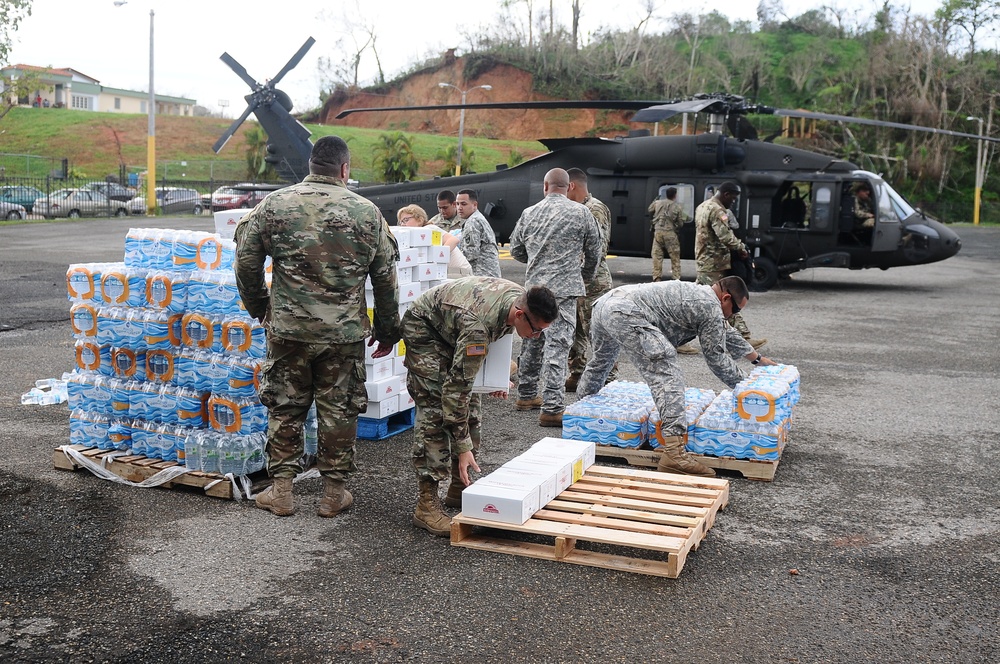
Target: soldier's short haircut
x: 729, y: 188
x: 736, y: 288
x: 330, y: 152
x: 471, y: 193
x: 671, y: 193
x: 541, y: 304
x: 577, y: 175
x: 447, y: 195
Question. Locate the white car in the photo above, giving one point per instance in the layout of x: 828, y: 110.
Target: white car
x: 171, y: 200
x: 12, y: 211
x: 76, y: 203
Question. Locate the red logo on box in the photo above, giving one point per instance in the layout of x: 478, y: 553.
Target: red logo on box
x: 491, y: 509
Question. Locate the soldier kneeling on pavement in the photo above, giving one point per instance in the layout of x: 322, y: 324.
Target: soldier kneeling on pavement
x: 648, y: 322
x: 447, y: 331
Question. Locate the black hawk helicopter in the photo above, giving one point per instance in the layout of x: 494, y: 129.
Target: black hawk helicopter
x: 796, y: 210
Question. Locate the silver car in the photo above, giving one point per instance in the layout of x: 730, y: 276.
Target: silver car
x: 12, y: 211
x: 171, y: 200
x: 76, y: 203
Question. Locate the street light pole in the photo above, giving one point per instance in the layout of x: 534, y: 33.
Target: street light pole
x: 979, y: 172
x: 461, y: 119
x: 151, y: 140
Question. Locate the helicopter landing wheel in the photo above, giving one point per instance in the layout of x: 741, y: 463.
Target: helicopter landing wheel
x: 765, y: 273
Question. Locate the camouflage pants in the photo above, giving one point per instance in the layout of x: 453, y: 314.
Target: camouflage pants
x: 432, y: 443
x: 736, y: 320
x: 580, y: 351
x: 620, y: 326
x: 547, y: 357
x: 292, y: 377
x: 666, y: 243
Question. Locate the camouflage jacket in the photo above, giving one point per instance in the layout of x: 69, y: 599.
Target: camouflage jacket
x: 324, y: 240
x: 551, y: 236
x: 457, y: 322
x: 682, y: 311
x: 479, y: 244
x: 863, y: 209
x: 445, y: 224
x: 667, y: 216
x: 713, y: 240
x: 601, y: 283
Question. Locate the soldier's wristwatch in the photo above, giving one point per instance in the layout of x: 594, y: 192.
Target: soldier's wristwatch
x: 757, y: 359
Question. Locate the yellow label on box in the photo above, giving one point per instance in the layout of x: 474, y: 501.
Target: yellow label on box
x: 400, y: 348
x: 577, y: 469
x: 371, y: 315
x: 436, y: 238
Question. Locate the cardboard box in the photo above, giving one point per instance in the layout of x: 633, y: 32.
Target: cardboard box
x: 421, y: 237
x: 380, y: 390
x: 404, y: 274
x: 571, y: 447
x: 426, y: 272
x: 422, y: 254
x: 562, y: 466
x: 494, y: 374
x: 408, y: 257
x: 399, y: 366
x: 495, y: 503
x: 405, y: 400
x: 575, y: 459
x: 380, y: 369
x: 544, y: 477
x: 436, y: 282
x: 409, y: 292
x: 379, y: 409
x: 402, y: 235
x: 226, y: 220
x: 440, y: 254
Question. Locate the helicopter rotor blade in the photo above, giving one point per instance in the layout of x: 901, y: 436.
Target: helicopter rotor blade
x: 809, y: 115
x: 508, y: 105
x: 660, y: 112
x: 219, y: 144
x: 291, y: 64
x: 240, y: 71
x: 297, y: 127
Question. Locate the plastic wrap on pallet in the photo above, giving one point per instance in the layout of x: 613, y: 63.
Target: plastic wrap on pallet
x: 721, y: 431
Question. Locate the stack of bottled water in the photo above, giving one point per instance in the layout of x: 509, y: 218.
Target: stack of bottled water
x: 753, y: 420
x: 616, y: 415
x: 696, y: 400
x: 167, y: 359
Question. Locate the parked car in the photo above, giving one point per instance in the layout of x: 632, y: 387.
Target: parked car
x: 12, y: 211
x: 112, y: 190
x: 171, y: 200
x: 21, y: 195
x: 243, y: 195
x: 75, y: 203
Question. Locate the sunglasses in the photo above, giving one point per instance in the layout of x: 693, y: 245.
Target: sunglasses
x: 732, y: 303
x: 530, y: 324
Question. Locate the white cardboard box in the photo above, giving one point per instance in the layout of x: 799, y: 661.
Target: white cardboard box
x: 402, y: 235
x: 574, y: 457
x: 380, y: 390
x: 571, y: 447
x: 399, y: 366
x: 494, y: 503
x: 440, y: 254
x: 421, y: 237
x: 379, y: 409
x: 404, y: 274
x: 426, y: 272
x: 562, y: 466
x: 408, y: 257
x: 405, y: 400
x: 380, y: 369
x: 494, y: 374
x: 544, y: 478
x: 409, y: 292
x: 226, y: 220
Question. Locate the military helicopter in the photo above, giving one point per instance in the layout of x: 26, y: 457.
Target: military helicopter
x: 796, y: 210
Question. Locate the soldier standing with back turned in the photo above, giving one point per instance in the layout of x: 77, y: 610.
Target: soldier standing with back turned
x: 324, y: 241
x: 668, y: 217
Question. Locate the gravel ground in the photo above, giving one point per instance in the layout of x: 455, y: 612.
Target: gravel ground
x: 885, y: 503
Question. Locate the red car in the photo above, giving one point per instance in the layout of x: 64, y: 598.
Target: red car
x: 238, y: 196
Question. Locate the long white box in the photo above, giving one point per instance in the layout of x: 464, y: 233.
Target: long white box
x: 402, y: 235
x: 380, y: 369
x: 409, y: 292
x: 380, y: 390
x: 585, y: 449
x: 226, y: 221
x: 399, y: 366
x: 544, y: 477
x: 494, y: 374
x: 562, y: 466
x: 408, y: 257
x: 421, y: 237
x: 379, y: 409
x: 439, y: 254
x: 503, y: 505
x: 405, y: 400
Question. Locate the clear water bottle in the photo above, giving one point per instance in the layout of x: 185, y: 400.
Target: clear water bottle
x: 310, y: 432
x: 209, y: 451
x: 192, y: 448
x: 230, y: 458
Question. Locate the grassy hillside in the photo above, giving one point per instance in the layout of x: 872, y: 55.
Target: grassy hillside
x: 97, y: 143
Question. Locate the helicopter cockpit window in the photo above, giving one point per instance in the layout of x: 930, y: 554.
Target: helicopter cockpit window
x: 793, y: 207
x: 685, y: 196
x: 892, y: 206
x: 822, y: 197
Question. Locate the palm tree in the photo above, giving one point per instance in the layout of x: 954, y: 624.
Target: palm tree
x: 448, y: 155
x: 394, y: 159
x: 257, y: 168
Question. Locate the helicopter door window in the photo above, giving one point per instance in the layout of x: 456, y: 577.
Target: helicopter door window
x: 794, y: 207
x: 684, y: 197
x: 822, y: 196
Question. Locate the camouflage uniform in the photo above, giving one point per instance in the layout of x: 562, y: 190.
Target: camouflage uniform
x: 551, y: 236
x: 864, y: 212
x: 648, y: 321
x: 713, y: 243
x: 668, y: 217
x: 446, y: 331
x: 596, y: 287
x: 444, y: 223
x: 479, y: 244
x: 324, y: 241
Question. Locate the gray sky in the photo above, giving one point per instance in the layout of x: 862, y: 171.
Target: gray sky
x: 111, y: 43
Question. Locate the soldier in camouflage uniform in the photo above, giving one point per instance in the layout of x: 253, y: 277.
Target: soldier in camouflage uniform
x: 647, y: 322
x: 447, y: 217
x: 667, y: 219
x: 596, y: 287
x: 479, y: 242
x: 713, y: 242
x: 864, y: 211
x: 551, y: 237
x: 447, y: 331
x: 324, y: 240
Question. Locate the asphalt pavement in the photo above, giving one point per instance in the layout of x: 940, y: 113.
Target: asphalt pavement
x: 878, y: 540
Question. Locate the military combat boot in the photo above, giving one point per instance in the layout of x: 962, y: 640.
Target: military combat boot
x: 453, y: 498
x: 336, y: 498
x: 757, y: 343
x: 550, y: 419
x: 673, y: 459
x: 687, y: 349
x: 429, y: 515
x: 572, y: 382
x: 533, y: 403
x: 277, y: 498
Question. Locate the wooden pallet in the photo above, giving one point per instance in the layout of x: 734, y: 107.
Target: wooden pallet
x: 136, y: 468
x: 661, y: 513
x: 751, y: 469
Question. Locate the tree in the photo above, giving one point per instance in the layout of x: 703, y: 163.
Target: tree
x: 971, y: 16
x: 257, y: 168
x: 394, y: 159
x: 12, y: 12
x: 449, y: 157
